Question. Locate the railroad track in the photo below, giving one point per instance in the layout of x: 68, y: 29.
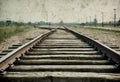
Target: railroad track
x: 61, y: 55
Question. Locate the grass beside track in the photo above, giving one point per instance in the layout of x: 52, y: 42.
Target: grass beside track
x: 8, y: 31
x: 107, y: 28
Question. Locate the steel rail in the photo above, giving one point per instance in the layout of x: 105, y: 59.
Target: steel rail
x: 11, y: 57
x: 105, y: 50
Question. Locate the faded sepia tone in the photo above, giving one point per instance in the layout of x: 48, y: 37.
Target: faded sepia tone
x: 59, y: 40
x: 57, y: 10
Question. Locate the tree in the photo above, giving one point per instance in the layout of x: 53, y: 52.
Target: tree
x: 118, y: 22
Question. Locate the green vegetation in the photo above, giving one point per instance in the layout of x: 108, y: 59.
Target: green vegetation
x: 107, y: 29
x: 8, y: 31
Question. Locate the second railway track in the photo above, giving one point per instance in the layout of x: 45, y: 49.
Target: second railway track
x: 64, y: 56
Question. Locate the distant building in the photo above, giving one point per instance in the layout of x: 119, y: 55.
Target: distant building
x: 8, y: 22
x: 61, y: 23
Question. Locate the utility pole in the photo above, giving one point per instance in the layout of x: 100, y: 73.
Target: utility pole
x: 114, y: 17
x: 102, y: 19
x: 86, y: 21
x: 95, y: 21
x: 90, y: 21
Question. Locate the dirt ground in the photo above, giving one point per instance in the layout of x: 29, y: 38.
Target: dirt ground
x: 104, y: 36
x: 22, y: 37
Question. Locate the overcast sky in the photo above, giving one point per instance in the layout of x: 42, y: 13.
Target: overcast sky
x: 57, y: 10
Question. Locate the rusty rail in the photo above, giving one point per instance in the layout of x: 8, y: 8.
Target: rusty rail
x: 105, y: 50
x: 11, y: 57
